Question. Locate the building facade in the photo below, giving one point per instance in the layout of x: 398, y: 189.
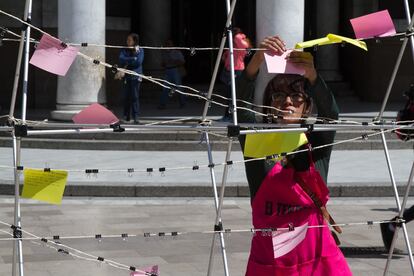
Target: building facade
x: 197, y: 24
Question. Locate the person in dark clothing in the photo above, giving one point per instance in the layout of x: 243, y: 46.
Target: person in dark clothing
x: 131, y: 59
x: 291, y: 192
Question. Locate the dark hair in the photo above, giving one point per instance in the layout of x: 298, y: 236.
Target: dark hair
x: 286, y: 83
x: 236, y: 31
x: 135, y: 38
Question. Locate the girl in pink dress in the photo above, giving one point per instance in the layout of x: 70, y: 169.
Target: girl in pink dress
x: 291, y: 193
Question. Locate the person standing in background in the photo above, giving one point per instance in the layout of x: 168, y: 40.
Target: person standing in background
x: 173, y: 62
x: 240, y: 41
x: 131, y: 59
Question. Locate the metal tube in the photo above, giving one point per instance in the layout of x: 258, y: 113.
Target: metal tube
x: 218, y: 59
x: 400, y: 214
x: 17, y: 248
x: 216, y: 202
x: 408, y: 17
x: 27, y: 16
x: 394, y: 73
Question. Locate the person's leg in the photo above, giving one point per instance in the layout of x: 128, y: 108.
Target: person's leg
x: 408, y: 214
x: 127, y: 101
x: 165, y: 91
x: 135, y: 85
x: 388, y: 229
x: 178, y: 81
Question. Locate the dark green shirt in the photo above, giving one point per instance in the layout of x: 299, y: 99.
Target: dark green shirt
x: 326, y: 105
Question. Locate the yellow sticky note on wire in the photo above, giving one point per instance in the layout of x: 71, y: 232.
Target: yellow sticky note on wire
x: 44, y: 186
x: 267, y: 144
x: 331, y: 39
x: 355, y: 42
x: 314, y: 42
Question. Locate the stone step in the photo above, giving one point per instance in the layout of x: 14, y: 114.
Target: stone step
x: 171, y: 145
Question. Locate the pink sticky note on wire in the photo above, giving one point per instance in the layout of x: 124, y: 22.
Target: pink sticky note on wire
x: 279, y: 64
x: 150, y: 269
x: 95, y: 114
x: 284, y: 242
x: 53, y: 56
x: 378, y: 24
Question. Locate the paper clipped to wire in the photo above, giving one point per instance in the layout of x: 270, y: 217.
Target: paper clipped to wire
x: 95, y: 114
x: 331, y: 39
x: 267, y: 144
x: 377, y: 24
x: 151, y: 269
x: 47, y: 186
x: 284, y: 242
x: 280, y: 65
x: 53, y: 56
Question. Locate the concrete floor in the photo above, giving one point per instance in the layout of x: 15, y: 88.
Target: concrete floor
x: 185, y: 254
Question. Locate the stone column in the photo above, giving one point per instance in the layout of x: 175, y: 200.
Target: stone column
x: 155, y: 29
x: 327, y: 57
x: 277, y: 17
x: 81, y: 21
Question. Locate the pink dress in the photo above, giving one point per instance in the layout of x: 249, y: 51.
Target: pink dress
x: 281, y: 201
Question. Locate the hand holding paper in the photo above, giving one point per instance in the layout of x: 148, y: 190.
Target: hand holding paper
x: 279, y: 64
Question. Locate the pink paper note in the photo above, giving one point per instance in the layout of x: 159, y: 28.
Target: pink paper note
x: 279, y: 64
x: 95, y: 114
x: 53, y: 56
x: 150, y: 269
x: 378, y: 24
x: 284, y: 242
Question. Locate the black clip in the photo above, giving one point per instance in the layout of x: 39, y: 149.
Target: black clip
x: 162, y: 169
x: 161, y: 234
x: 174, y: 234
x: 43, y: 240
x: 249, y: 52
x: 98, y: 236
x: 132, y: 268
x: 218, y: 227
x: 291, y: 227
x: 17, y: 231
x: 227, y: 29
x: 84, y: 44
x: 117, y: 127
x: 150, y: 170
x: 370, y: 222
x: 60, y: 250
x: 269, y: 118
x: 20, y: 168
x: 63, y: 45
x: 147, y: 235
x: 124, y: 235
x: 96, y: 62
x: 20, y: 130
x: 130, y: 170
x: 309, y: 127
x: 212, y: 165
x: 271, y: 157
x: 114, y: 68
x: 364, y: 136
x: 192, y: 51
x: 57, y: 237
x: 101, y: 259
x: 229, y: 163
x: 233, y: 131
x: 196, y: 168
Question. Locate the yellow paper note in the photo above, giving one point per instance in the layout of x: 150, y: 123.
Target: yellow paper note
x: 44, y: 186
x: 331, y: 39
x: 311, y: 43
x: 338, y: 38
x: 267, y: 144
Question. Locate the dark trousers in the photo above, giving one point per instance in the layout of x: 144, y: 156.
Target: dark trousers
x: 131, y: 99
